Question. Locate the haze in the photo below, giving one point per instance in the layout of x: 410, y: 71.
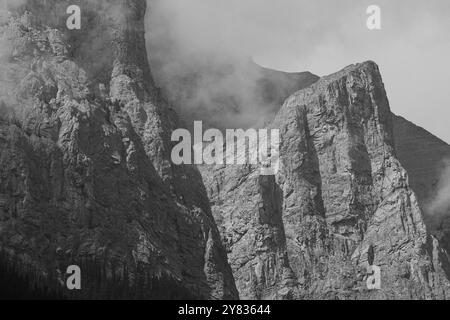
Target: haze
x: 322, y: 36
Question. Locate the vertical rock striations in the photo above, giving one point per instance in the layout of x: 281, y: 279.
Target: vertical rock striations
x: 84, y: 163
x: 341, y: 202
x: 86, y: 178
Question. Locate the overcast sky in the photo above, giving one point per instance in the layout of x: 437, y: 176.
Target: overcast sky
x: 323, y: 36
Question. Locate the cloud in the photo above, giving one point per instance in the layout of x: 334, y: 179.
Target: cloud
x: 200, y: 50
x: 440, y: 204
x: 202, y: 59
x: 320, y: 36
x: 90, y: 47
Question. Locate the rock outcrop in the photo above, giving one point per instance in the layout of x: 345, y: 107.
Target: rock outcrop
x: 340, y: 203
x: 85, y: 171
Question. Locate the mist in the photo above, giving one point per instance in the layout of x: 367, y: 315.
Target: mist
x: 89, y: 47
x: 440, y: 204
x: 207, y: 72
x: 205, y: 53
x: 194, y: 41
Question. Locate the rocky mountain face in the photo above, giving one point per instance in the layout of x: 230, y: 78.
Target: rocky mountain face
x: 341, y: 202
x: 85, y: 167
x: 86, y: 178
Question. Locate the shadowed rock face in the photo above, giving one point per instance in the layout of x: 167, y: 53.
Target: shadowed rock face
x: 426, y: 158
x: 340, y: 200
x: 85, y: 171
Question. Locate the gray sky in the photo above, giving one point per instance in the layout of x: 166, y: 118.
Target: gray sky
x: 323, y: 36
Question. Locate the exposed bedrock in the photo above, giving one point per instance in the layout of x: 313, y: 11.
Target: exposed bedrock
x: 341, y: 202
x: 85, y: 171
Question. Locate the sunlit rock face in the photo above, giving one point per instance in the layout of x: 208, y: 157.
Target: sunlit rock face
x: 86, y: 178
x: 341, y: 202
x: 85, y: 171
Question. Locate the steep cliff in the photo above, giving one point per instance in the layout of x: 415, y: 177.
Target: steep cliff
x: 86, y: 178
x: 85, y: 171
x: 426, y: 159
x: 341, y: 202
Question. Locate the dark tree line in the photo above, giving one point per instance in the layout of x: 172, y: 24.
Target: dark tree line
x: 20, y: 282
x: 99, y: 280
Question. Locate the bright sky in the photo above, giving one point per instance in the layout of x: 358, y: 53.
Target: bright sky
x: 323, y: 36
